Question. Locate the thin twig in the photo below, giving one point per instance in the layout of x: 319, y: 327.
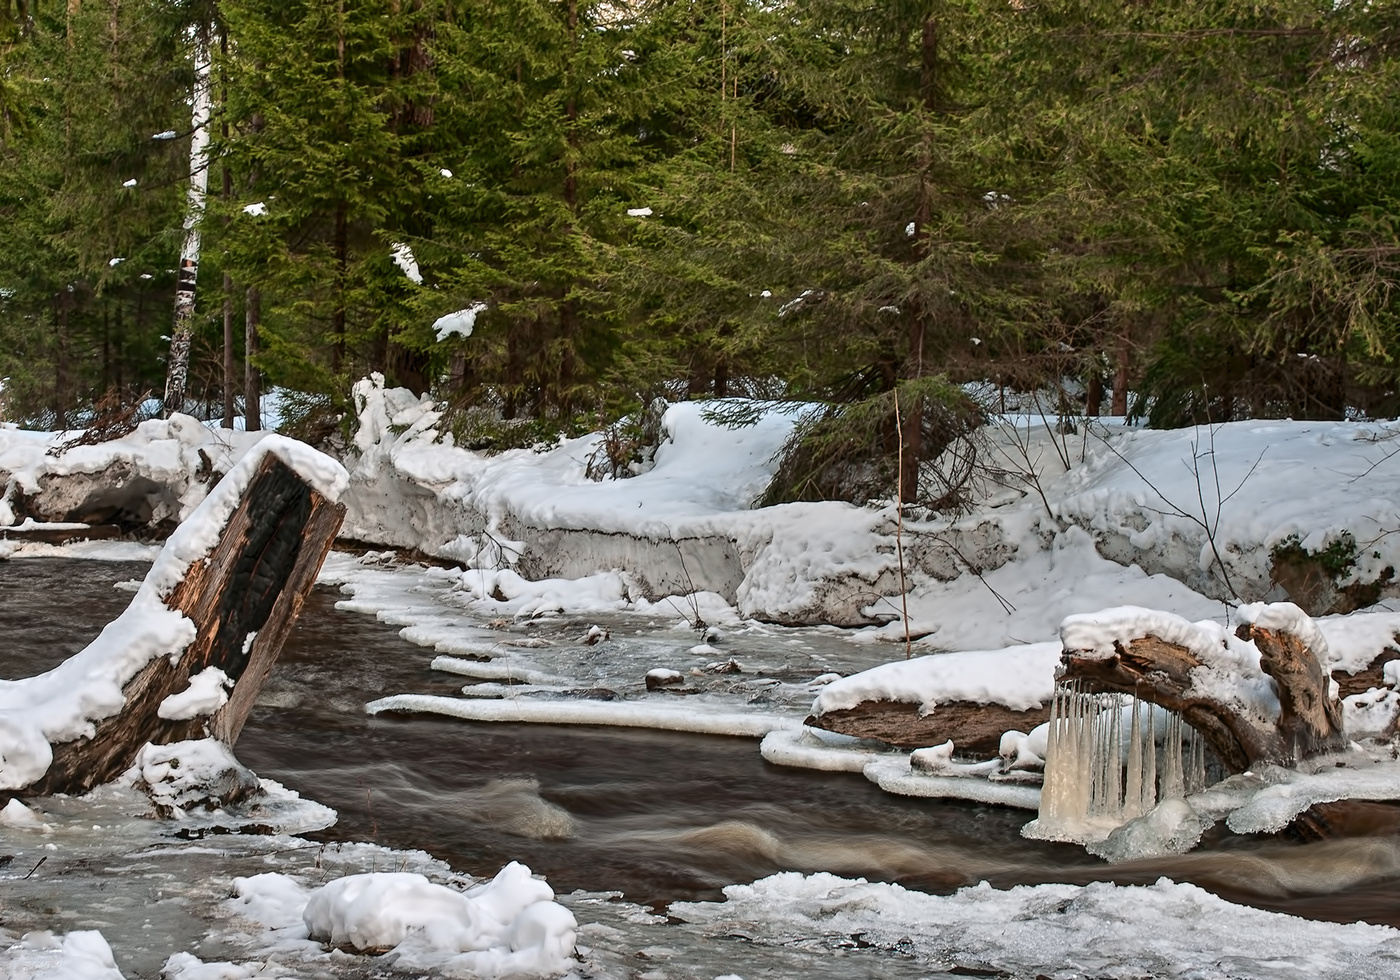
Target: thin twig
x: 35, y: 868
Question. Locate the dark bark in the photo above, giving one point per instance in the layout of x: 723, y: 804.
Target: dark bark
x: 975, y: 729
x: 252, y: 380
x: 254, y: 581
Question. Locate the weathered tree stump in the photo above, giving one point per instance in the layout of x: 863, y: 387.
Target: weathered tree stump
x: 243, y: 598
x: 975, y: 729
x: 1310, y: 719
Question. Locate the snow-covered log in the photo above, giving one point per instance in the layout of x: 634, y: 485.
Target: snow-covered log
x: 971, y: 697
x: 188, y: 657
x: 1259, y: 696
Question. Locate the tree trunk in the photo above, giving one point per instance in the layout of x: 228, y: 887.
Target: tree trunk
x: 1119, y: 405
x: 243, y: 598
x: 252, y: 383
x: 177, y: 369
x: 228, y: 279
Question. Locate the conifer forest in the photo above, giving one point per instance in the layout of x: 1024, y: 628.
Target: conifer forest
x: 548, y: 213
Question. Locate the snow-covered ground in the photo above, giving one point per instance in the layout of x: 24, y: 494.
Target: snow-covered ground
x: 663, y: 591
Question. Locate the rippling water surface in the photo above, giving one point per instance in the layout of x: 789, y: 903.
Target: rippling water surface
x: 659, y: 816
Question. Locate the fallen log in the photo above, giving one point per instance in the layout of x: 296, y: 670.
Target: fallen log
x: 975, y: 729
x: 60, y: 533
x: 222, y: 596
x: 1282, y: 712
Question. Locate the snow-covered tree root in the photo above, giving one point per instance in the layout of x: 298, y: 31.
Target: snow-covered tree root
x: 187, y: 658
x: 1258, y: 696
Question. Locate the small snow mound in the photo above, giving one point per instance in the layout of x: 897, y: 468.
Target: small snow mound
x: 1285, y: 617
x: 509, y: 926
x: 80, y: 955
x: 256, y: 210
x: 639, y: 212
x: 659, y: 677
x: 183, y: 775
x: 16, y: 814
x: 207, y: 693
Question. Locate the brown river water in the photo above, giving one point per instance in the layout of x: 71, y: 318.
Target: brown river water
x: 659, y: 816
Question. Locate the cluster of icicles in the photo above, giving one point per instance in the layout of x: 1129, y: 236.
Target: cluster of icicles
x: 1103, y: 764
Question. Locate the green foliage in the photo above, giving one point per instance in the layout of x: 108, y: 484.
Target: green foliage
x: 830, y: 202
x: 851, y: 451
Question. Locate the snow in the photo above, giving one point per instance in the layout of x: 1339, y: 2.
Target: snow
x: 1286, y: 617
x: 256, y: 209
x: 1165, y: 930
x: 446, y: 173
x: 1020, y: 678
x: 129, y: 183
x: 165, y: 452
x: 402, y: 255
x: 461, y: 323
x: 508, y: 926
x: 815, y: 748
x: 207, y: 692
x: 80, y: 955
x: 639, y: 212
x: 664, y: 717
x: 15, y: 814
x: 894, y: 775
x: 168, y: 134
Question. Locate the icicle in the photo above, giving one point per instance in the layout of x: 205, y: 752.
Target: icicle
x: 1132, y: 784
x: 1148, y: 787
x: 1173, y: 785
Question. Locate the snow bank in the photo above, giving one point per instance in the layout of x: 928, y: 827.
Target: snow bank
x: 1165, y: 930
x: 159, y: 472
x: 1139, y: 494
x: 509, y: 926
x: 65, y: 703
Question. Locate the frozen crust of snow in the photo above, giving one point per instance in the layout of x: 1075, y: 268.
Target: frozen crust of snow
x: 813, y: 748
x: 666, y: 717
x: 1138, y: 495
x: 1288, y: 792
x: 893, y: 775
x: 1019, y: 677
x: 66, y: 702
x: 1165, y: 930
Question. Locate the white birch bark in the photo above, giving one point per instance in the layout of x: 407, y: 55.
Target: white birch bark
x: 178, y: 366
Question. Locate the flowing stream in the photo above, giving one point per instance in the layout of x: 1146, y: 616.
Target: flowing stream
x: 658, y: 816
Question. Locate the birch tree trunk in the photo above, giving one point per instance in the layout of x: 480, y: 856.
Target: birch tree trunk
x: 177, y: 370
